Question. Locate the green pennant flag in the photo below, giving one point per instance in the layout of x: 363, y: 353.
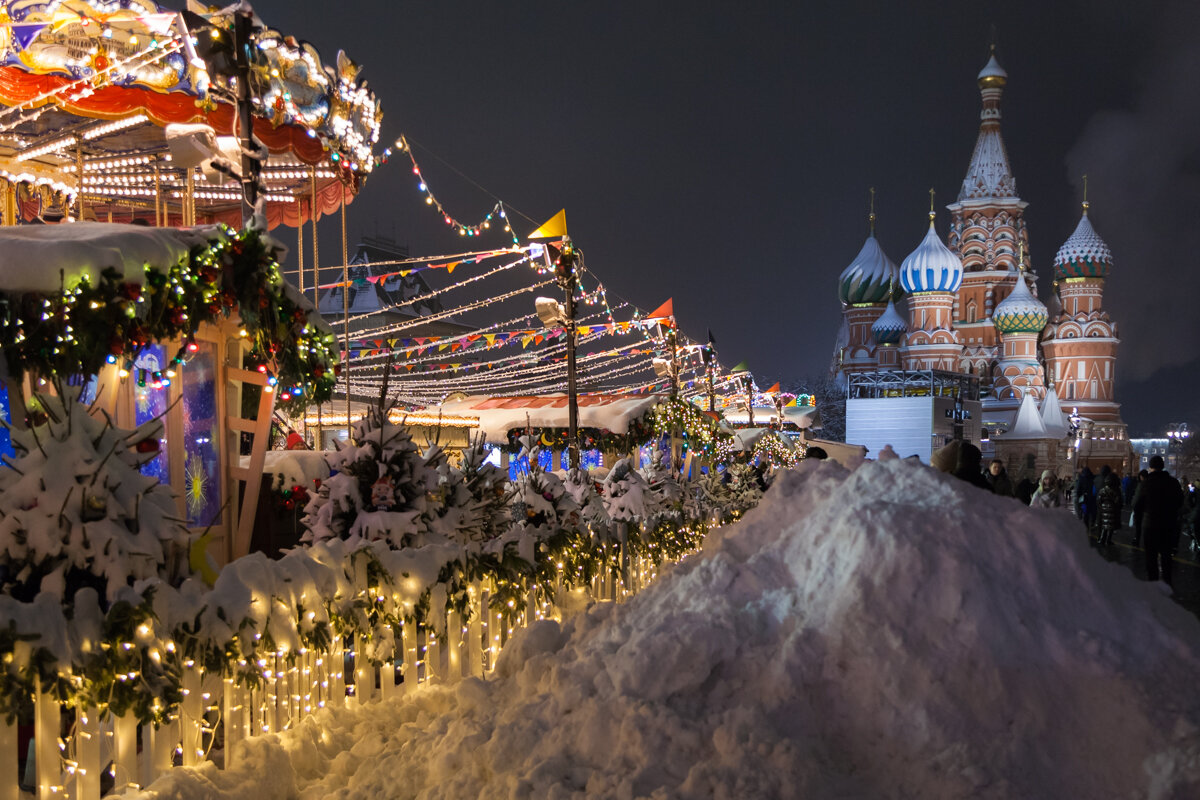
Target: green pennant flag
x: 742, y: 367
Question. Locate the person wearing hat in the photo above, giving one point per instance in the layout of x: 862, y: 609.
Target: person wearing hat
x: 296, y: 442
x: 945, y: 459
x: 1047, y: 494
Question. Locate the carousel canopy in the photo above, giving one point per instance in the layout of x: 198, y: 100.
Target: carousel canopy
x: 92, y: 86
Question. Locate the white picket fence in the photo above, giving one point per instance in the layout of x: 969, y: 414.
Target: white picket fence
x: 217, y: 713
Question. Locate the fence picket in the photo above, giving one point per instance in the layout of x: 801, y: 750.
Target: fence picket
x: 10, y: 760
x: 46, y: 721
x: 87, y: 753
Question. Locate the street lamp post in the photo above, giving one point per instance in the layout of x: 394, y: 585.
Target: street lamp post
x: 565, y: 272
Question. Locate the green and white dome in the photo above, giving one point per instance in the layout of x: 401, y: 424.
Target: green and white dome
x: 869, y: 276
x: 1020, y: 312
x: 1084, y: 254
x: 890, y: 326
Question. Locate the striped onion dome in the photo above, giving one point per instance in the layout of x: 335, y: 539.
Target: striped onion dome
x: 1084, y: 254
x: 868, y: 277
x: 1020, y: 312
x: 890, y: 326
x: 932, y: 267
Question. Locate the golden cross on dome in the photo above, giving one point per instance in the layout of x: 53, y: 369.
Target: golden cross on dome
x: 932, y: 214
x: 1085, y: 200
x: 871, y: 217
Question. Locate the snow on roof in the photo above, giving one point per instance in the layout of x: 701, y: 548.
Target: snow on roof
x: 890, y: 632
x: 801, y: 416
x: 32, y: 256
x: 1028, y: 423
x: 498, y: 415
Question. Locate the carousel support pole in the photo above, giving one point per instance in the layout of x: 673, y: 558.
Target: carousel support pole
x: 189, y: 200
x: 242, y: 24
x: 79, y: 182
x: 345, y: 312
x: 316, y: 265
x: 10, y: 203
x: 158, y: 223
x: 300, y: 285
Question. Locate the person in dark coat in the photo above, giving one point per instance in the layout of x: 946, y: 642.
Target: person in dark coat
x: 997, y: 478
x: 1128, y: 485
x: 1137, y: 515
x: 968, y: 467
x: 1084, y: 497
x: 1159, y: 498
x: 1108, y: 508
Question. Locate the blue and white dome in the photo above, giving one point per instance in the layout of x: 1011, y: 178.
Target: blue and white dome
x: 1020, y: 312
x: 1084, y: 254
x: 869, y: 276
x: 932, y: 267
x: 890, y: 326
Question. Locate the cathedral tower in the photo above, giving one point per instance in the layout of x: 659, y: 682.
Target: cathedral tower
x: 987, y: 229
x: 1019, y: 319
x: 865, y: 288
x: 931, y: 275
x: 1080, y: 343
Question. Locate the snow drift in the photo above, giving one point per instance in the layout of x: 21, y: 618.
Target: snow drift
x: 887, y: 632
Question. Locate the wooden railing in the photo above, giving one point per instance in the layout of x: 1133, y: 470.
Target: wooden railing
x: 73, y: 746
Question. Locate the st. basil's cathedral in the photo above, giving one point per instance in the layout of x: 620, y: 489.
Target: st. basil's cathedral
x: 1045, y: 374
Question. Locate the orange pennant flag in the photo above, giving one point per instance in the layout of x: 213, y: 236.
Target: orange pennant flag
x: 667, y: 309
x: 773, y: 389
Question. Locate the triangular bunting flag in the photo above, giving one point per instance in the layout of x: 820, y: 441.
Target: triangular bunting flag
x: 553, y: 228
x: 741, y: 367
x: 667, y: 309
x: 774, y: 388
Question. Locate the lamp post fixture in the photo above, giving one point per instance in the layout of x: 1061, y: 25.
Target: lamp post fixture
x: 567, y: 261
x: 1177, y: 434
x: 709, y: 354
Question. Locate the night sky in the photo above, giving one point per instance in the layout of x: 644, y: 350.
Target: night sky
x: 722, y: 155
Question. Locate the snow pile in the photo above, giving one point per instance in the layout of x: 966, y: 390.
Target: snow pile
x: 890, y: 632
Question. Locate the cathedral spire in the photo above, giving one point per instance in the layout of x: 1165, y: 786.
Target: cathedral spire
x: 989, y: 174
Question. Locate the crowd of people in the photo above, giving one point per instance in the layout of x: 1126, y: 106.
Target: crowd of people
x: 1156, y: 507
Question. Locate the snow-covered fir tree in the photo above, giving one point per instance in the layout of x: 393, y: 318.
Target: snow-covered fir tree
x: 381, y: 489
x: 472, y: 498
x: 75, y: 510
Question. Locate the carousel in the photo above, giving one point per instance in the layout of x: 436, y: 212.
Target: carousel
x: 120, y: 176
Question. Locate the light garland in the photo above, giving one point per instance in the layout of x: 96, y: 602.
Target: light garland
x: 463, y: 229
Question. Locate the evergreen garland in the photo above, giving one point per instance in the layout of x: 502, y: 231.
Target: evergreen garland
x: 75, y: 331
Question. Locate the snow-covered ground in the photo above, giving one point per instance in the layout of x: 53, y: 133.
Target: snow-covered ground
x: 886, y: 633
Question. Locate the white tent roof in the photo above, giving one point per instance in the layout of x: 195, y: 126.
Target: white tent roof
x: 1053, y: 417
x: 1028, y: 424
x: 498, y: 415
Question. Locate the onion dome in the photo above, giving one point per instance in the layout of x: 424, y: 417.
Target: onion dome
x: 1020, y: 312
x: 932, y: 267
x: 992, y: 75
x: 869, y: 276
x: 1084, y: 254
x: 890, y: 326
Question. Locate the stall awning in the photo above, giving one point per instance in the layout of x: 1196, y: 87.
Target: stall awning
x: 498, y: 415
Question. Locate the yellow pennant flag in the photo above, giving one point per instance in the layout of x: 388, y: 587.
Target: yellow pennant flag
x: 553, y: 228
x: 491, y: 338
x: 584, y: 330
x: 525, y: 340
